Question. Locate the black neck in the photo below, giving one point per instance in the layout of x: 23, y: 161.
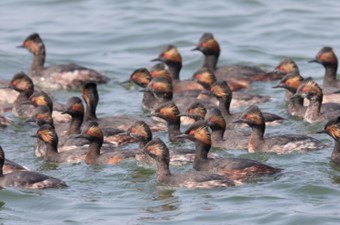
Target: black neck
x: 201, y: 153
x: 330, y: 74
x: 210, y: 62
x: 90, y: 112
x: 174, y: 130
x: 94, y: 149
x: 257, y: 132
x: 174, y: 69
x: 224, y: 106
x: 163, y: 171
x: 24, y: 96
x: 51, y: 149
x: 217, y: 135
x: 38, y: 63
x: 75, y: 126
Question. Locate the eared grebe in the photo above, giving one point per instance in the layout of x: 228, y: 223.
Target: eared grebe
x: 173, y: 60
x: 316, y: 111
x: 57, y: 76
x: 222, y: 92
x: 211, y: 50
x: 195, y: 112
x: 24, y: 85
x: 234, y: 168
x: 142, y: 78
x: 281, y: 143
x: 27, y: 179
x: 207, y: 78
x: 46, y: 133
x: 328, y: 59
x: 161, y: 70
x: 332, y: 128
x: 295, y: 105
x: 122, y: 122
x: 170, y: 113
x: 222, y: 138
x: 142, y: 133
x: 196, y: 179
x: 94, y: 134
x: 285, y: 66
x: 41, y: 98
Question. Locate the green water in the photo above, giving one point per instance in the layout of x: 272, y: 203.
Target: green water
x: 117, y: 37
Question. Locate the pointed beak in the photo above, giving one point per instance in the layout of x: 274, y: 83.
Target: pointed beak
x: 79, y: 136
x: 20, y: 46
x: 34, y: 136
x: 64, y: 112
x: 322, y: 132
x: 144, y: 90
x: 125, y: 82
x: 196, y: 49
x: 314, y: 61
x: 186, y: 136
x: 29, y: 120
x: 156, y: 60
x: 239, y: 121
x: 277, y: 86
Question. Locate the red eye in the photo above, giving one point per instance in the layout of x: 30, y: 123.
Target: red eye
x: 190, y: 110
x: 14, y: 82
x: 287, y: 82
x: 248, y: 117
x: 132, y: 130
x: 165, y: 55
x: 191, y: 132
x: 162, y: 111
x: 88, y: 132
x: 153, y: 73
x: 304, y: 89
x: 204, y: 44
x: 134, y: 77
x: 153, y: 86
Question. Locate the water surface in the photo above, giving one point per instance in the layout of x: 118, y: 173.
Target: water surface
x: 117, y: 37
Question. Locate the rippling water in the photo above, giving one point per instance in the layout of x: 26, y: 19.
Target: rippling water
x: 117, y: 37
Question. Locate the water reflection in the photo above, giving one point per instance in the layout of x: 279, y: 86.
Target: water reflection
x: 163, y: 207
